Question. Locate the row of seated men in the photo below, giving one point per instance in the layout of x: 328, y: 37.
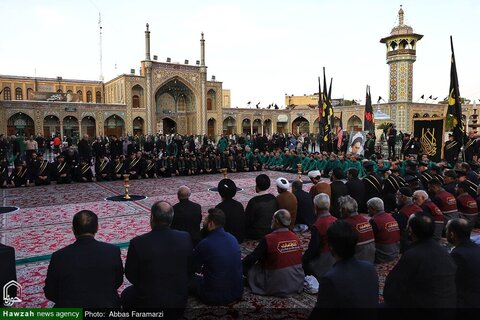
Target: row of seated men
x: 339, y: 254
x: 66, y: 169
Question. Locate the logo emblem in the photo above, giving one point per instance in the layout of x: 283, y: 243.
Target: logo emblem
x: 10, y: 301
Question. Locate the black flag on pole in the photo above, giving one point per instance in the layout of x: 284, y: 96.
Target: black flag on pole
x: 454, y: 104
x: 368, y: 121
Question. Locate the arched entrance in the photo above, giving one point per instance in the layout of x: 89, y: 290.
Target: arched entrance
x: 174, y: 97
x: 300, y: 125
x: 70, y: 128
x: 229, y: 125
x: 20, y: 124
x: 169, y: 126
x: 257, y: 126
x: 114, y: 126
x: 89, y: 126
x: 138, y: 126
x: 267, y: 127
x: 246, y: 127
x: 51, y: 126
x: 211, y: 127
x: 354, y: 124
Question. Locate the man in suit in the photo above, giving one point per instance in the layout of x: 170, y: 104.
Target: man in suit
x: 87, y: 273
x: 260, y: 210
x: 305, y: 211
x: 339, y: 189
x: 157, y: 264
x: 8, y: 271
x: 351, y: 283
x: 424, y: 277
x: 466, y: 255
x: 356, y: 189
x: 218, y: 258
x: 188, y: 215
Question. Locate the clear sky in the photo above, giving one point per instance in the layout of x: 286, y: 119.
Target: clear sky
x: 261, y: 49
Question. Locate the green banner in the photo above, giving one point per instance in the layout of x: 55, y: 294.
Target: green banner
x: 35, y: 314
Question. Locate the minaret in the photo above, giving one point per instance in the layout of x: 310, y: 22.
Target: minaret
x: 148, y: 78
x: 147, y: 44
x: 401, y: 54
x: 203, y: 73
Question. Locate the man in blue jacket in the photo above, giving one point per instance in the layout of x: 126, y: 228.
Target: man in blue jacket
x: 218, y: 259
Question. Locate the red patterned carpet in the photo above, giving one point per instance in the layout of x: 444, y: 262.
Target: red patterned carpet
x: 43, y: 225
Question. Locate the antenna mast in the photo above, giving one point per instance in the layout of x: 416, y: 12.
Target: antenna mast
x: 100, y: 31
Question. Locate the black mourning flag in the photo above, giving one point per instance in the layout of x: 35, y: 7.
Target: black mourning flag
x: 454, y: 104
x: 368, y: 121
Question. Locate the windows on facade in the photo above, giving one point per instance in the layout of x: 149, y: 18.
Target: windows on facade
x: 7, y: 94
x: 18, y: 94
x: 89, y: 96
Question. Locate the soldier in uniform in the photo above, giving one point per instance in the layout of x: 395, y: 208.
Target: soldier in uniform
x: 451, y: 150
x: 150, y: 168
x: 62, y: 170
x: 182, y: 166
x: 208, y: 164
x: 437, y: 171
x: 391, y: 184
x: 83, y: 172
x: 467, y: 205
x: 471, y: 187
x: 41, y: 171
x: 372, y: 182
x: 133, y: 166
x: 471, y: 147
x: 171, y: 165
x: 425, y: 174
x: 19, y: 176
x: 162, y: 166
x: 103, y: 169
x: 193, y: 165
x: 118, y: 168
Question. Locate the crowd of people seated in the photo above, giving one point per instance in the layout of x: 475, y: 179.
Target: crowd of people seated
x: 371, y: 211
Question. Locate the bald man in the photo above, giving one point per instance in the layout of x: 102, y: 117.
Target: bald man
x: 188, y: 215
x: 274, y: 268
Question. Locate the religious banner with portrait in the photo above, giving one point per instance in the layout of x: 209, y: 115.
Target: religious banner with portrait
x: 356, y: 143
x: 430, y: 134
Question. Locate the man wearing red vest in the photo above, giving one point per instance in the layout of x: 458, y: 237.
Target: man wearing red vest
x: 274, y: 268
x: 365, y: 249
x: 317, y: 259
x: 467, y: 205
x: 420, y: 198
x: 445, y: 201
x: 407, y: 208
x: 386, y: 231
